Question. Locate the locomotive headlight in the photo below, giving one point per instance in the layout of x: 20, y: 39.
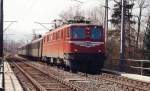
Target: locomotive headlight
x: 99, y: 51
x: 75, y: 50
x: 87, y: 28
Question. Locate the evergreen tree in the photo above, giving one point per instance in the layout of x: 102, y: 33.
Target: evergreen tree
x: 129, y: 22
x: 116, y: 16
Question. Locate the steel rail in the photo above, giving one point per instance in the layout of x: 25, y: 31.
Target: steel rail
x: 74, y: 87
x: 122, y: 82
x: 37, y: 85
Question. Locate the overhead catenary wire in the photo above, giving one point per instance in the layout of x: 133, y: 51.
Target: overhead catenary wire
x: 11, y: 22
x: 42, y: 24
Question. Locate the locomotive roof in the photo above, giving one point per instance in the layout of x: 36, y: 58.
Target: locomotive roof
x: 69, y: 25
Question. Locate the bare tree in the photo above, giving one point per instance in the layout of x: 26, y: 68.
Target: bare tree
x: 142, y: 5
x: 11, y: 47
x: 64, y: 15
x: 96, y: 15
x: 71, y: 13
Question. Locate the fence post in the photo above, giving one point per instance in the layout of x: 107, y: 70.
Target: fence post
x: 141, y: 67
x: 2, y: 73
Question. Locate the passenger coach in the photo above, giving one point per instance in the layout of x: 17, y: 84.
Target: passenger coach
x: 32, y: 50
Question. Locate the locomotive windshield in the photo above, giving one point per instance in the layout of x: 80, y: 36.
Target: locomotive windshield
x: 78, y: 33
x: 96, y: 33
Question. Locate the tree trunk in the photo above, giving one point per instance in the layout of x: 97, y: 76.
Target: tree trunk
x: 139, y: 27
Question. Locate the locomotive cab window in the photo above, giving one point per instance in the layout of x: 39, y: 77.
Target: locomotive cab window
x: 96, y: 33
x: 78, y: 33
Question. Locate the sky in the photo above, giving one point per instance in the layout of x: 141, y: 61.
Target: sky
x: 26, y: 12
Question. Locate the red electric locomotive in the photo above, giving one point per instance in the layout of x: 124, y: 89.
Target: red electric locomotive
x: 75, y: 46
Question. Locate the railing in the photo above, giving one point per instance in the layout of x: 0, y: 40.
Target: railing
x: 2, y: 79
x: 141, y: 65
x: 131, y: 65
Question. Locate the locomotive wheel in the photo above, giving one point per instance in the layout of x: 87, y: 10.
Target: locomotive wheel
x: 51, y: 61
x: 73, y: 70
x: 67, y: 68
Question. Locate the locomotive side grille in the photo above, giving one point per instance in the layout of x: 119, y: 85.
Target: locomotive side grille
x: 85, y: 56
x: 86, y: 43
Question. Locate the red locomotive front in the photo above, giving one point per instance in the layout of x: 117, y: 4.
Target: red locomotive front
x: 76, y: 46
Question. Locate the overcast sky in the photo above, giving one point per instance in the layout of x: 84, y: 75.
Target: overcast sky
x: 26, y: 12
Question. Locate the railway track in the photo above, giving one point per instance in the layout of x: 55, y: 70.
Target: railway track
x: 102, y: 82
x: 41, y: 81
x: 124, y: 83
x: 82, y: 81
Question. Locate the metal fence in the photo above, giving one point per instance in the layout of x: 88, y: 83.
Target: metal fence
x: 2, y: 80
x: 131, y: 66
x: 141, y: 67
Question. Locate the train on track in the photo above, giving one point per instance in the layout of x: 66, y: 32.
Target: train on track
x: 79, y: 47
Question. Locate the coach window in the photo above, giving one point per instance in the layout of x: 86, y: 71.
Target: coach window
x: 36, y: 45
x: 33, y: 45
